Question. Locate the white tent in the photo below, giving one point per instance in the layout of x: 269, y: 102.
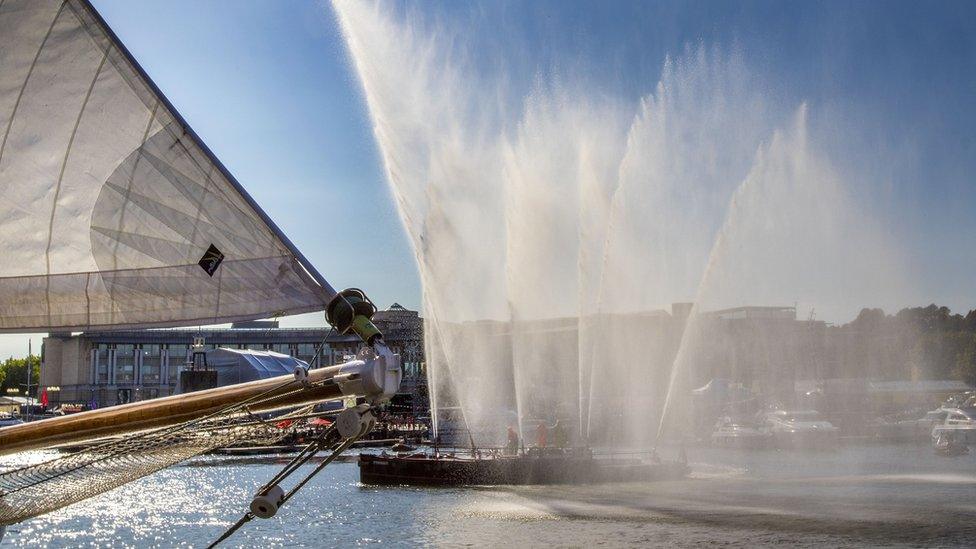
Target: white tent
x: 243, y: 365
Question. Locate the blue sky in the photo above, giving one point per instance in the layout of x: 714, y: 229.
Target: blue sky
x: 268, y: 86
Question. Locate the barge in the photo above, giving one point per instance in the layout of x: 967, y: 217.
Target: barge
x: 532, y: 467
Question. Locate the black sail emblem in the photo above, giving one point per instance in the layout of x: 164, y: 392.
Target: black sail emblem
x: 211, y: 260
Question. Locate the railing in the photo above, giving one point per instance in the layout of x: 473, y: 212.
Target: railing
x: 573, y: 450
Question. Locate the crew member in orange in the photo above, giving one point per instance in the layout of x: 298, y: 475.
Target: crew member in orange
x: 542, y: 435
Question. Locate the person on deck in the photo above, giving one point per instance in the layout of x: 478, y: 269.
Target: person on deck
x: 560, y: 435
x: 513, y: 441
x: 542, y: 435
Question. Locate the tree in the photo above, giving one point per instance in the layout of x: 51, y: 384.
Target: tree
x: 869, y: 319
x: 965, y: 367
x: 917, y: 342
x: 971, y: 320
x: 13, y: 374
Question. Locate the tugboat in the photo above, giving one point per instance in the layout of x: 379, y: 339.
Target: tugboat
x: 533, y: 466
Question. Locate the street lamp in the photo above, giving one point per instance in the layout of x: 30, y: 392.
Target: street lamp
x: 27, y: 389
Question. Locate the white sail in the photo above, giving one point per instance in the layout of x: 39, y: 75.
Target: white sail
x: 112, y: 212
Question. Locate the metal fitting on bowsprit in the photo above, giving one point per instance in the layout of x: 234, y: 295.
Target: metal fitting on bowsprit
x: 351, y: 311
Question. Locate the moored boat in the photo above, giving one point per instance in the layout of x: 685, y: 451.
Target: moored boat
x: 801, y: 429
x: 917, y: 429
x: 947, y: 446
x: 738, y: 433
x: 959, y: 426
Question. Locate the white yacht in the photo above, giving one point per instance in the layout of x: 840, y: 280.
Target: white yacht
x: 915, y: 429
x: 801, y: 429
x: 736, y: 433
x: 959, y: 426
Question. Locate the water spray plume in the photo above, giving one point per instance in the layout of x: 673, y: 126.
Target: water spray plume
x: 552, y: 238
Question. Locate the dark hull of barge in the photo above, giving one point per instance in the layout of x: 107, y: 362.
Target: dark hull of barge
x: 428, y: 470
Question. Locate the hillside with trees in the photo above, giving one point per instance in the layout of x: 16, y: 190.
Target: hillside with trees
x: 915, y: 343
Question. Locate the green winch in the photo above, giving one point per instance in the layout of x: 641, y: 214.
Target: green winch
x: 351, y: 311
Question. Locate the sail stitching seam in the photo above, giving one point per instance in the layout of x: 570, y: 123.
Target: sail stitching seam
x: 196, y: 224
x: 193, y: 159
x: 88, y: 300
x: 220, y: 283
x: 206, y: 191
x: 168, y: 324
x: 128, y: 188
x: 125, y: 199
x: 30, y: 72
x: 57, y: 189
x: 142, y: 269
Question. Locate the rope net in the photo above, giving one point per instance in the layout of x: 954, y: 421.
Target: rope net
x: 37, y: 489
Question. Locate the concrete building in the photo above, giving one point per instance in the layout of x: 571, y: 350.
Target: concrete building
x: 97, y: 369
x: 764, y: 348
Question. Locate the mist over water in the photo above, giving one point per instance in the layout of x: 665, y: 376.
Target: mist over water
x: 554, y: 230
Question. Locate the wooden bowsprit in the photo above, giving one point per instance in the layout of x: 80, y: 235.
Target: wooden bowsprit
x: 30, y: 491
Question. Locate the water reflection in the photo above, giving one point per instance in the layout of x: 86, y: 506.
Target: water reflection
x: 875, y: 495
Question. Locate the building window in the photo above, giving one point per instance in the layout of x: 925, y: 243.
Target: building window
x: 152, y: 362
x: 125, y: 364
x: 282, y: 348
x: 177, y: 357
x: 101, y: 365
x: 306, y: 352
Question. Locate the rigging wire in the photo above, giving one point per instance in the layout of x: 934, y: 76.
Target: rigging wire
x: 324, y: 441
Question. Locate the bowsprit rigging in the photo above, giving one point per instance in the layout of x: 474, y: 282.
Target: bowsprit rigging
x: 217, y: 418
x: 351, y: 425
x: 30, y: 491
x: 116, y: 215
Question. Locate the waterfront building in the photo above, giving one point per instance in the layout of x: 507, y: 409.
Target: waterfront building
x: 766, y: 349
x: 97, y: 369
x: 763, y: 348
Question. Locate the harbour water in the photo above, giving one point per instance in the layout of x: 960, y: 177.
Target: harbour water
x: 870, y: 495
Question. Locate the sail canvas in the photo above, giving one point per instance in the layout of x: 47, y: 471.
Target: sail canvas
x: 112, y: 212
